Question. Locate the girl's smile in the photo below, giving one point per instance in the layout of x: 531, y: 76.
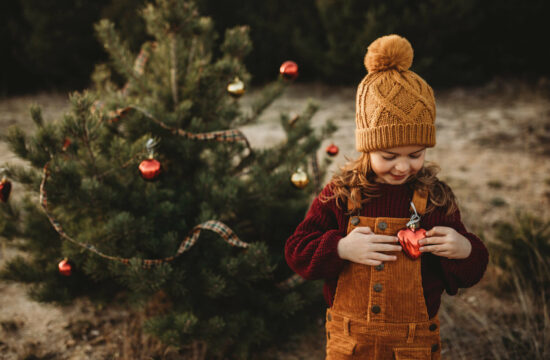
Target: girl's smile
x: 398, y: 177
x: 396, y: 165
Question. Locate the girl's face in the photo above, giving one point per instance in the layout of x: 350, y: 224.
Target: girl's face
x: 394, y: 166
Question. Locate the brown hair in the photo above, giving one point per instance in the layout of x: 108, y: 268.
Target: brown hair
x: 357, y: 180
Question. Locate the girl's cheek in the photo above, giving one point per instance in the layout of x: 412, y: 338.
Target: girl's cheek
x: 418, y: 164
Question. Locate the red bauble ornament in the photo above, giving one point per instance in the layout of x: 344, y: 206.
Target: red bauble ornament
x: 289, y: 70
x: 65, y: 267
x: 332, y: 150
x: 149, y: 169
x: 5, y: 190
x: 409, y: 241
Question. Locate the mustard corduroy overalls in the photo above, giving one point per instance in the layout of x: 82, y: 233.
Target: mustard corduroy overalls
x: 379, y: 312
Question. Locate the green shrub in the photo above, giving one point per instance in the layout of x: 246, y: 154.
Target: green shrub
x: 498, y: 202
x: 525, y: 248
x: 495, y: 184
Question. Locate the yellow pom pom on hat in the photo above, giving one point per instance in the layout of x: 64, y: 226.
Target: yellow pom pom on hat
x: 394, y: 106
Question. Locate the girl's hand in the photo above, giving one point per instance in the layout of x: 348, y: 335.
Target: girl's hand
x: 362, y: 246
x: 446, y: 241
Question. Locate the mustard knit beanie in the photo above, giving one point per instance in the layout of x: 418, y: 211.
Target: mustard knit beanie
x: 394, y: 106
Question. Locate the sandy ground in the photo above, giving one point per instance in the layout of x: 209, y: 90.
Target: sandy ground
x: 493, y: 147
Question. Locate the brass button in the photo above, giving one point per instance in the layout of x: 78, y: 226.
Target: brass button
x: 376, y: 309
x: 329, y: 317
x: 435, y: 347
x: 377, y: 287
x: 382, y: 225
x: 354, y: 220
x: 379, y: 267
x: 433, y: 327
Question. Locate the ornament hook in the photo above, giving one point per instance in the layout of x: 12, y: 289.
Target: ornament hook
x: 150, y: 146
x: 415, y: 219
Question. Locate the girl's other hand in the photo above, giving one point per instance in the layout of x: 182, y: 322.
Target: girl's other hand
x: 362, y: 246
x: 446, y: 241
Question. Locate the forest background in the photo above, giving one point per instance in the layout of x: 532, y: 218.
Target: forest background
x: 51, y: 44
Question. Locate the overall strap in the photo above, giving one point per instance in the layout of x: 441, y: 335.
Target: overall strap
x: 420, y: 199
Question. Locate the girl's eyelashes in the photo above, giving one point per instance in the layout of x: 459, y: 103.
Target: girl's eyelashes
x: 393, y: 157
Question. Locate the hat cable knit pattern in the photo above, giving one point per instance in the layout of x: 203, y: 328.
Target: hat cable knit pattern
x: 394, y: 106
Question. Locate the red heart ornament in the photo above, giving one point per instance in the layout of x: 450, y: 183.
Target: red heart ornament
x: 409, y: 241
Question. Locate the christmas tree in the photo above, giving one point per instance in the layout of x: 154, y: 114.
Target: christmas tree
x: 148, y: 189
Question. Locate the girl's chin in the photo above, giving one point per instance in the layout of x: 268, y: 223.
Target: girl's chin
x: 393, y: 180
x: 389, y: 179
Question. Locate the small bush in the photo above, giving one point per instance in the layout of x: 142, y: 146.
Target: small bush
x: 512, y: 323
x: 508, y: 327
x: 498, y: 202
x: 523, y: 247
x: 495, y: 184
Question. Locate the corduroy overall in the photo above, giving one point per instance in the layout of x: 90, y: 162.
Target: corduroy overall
x: 379, y: 312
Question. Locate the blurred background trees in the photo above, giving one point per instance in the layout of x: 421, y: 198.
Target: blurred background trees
x: 50, y: 44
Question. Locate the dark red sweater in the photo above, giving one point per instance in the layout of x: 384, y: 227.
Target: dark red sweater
x: 312, y: 250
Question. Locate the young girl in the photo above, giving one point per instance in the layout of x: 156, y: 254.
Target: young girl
x: 383, y: 299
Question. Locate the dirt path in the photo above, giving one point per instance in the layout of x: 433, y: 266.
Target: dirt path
x: 493, y: 147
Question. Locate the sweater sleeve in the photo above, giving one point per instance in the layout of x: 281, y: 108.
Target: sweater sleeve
x: 312, y: 250
x: 462, y: 273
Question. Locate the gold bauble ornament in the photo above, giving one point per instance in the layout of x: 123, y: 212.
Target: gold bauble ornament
x: 236, y: 88
x: 299, y: 179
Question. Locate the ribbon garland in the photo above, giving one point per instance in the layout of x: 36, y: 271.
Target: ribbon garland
x: 316, y: 174
x: 291, y: 282
x: 231, y: 135
x: 139, y: 65
x: 213, y: 225
x: 141, y: 60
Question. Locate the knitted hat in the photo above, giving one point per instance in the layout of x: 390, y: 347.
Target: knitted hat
x: 394, y: 106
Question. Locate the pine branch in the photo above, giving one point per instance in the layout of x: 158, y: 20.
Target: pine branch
x: 173, y: 69
x: 86, y: 141
x: 118, y: 51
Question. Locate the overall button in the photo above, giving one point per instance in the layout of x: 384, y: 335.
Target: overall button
x: 376, y: 309
x: 329, y: 317
x: 382, y: 225
x: 379, y: 267
x: 377, y: 287
x: 433, y: 327
x: 354, y: 221
x: 435, y: 347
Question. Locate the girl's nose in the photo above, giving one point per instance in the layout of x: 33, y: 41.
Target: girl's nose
x: 402, y: 166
